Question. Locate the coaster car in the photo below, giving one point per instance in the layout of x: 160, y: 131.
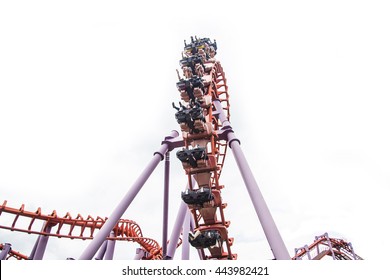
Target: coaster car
x: 197, y: 197
x: 204, y: 239
x: 198, y: 43
x: 192, y: 156
x: 191, y: 62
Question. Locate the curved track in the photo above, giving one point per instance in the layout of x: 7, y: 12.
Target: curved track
x: 76, y: 228
x: 12, y: 254
x: 203, y: 155
x: 204, y: 82
x: 325, y: 247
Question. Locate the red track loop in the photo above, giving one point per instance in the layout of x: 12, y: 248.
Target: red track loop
x: 203, y: 157
x: 207, y: 215
x: 78, y: 228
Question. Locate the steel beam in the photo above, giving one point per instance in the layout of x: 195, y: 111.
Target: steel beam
x: 175, y: 235
x: 166, y: 205
x: 113, y: 219
x: 271, y: 231
x: 5, y: 251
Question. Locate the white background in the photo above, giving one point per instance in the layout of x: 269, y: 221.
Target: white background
x: 85, y: 99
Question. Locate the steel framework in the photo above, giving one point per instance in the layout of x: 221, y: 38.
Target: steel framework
x: 206, y: 133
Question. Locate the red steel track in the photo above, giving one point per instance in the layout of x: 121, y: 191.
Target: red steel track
x: 208, y: 216
x: 78, y: 228
x: 324, y: 246
x: 12, y: 254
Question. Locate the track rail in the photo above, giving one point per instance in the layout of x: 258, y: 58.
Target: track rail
x: 203, y: 87
x: 12, y: 254
x: 324, y: 246
x: 205, y: 83
x: 76, y: 228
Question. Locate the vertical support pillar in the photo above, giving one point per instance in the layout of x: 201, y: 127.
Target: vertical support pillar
x: 5, y: 251
x: 352, y: 250
x: 318, y: 249
x: 307, y: 252
x: 175, y: 235
x: 41, y: 244
x: 31, y: 256
x: 326, y: 236
x: 165, y: 206
x: 139, y: 254
x: 102, y: 251
x: 330, y: 245
x: 110, y: 248
x: 296, y: 252
x: 121, y: 208
x: 185, y: 247
x: 272, y: 234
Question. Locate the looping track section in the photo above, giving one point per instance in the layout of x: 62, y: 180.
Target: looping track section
x: 203, y: 115
x: 204, y: 152
x: 73, y: 228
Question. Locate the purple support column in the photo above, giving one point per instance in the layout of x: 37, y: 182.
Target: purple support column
x: 110, y: 248
x: 174, y: 238
x: 121, y: 208
x: 296, y: 251
x: 31, y: 256
x: 41, y: 244
x: 330, y: 245
x: 264, y: 215
x: 185, y: 246
x: 318, y: 249
x: 307, y: 252
x: 353, y: 251
x: 272, y: 234
x: 165, y: 206
x: 139, y: 254
x: 102, y: 251
x: 5, y: 251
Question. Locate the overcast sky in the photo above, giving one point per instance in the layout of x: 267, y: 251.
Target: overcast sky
x: 85, y: 99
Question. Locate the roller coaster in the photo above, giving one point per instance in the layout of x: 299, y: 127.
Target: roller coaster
x: 203, y: 116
